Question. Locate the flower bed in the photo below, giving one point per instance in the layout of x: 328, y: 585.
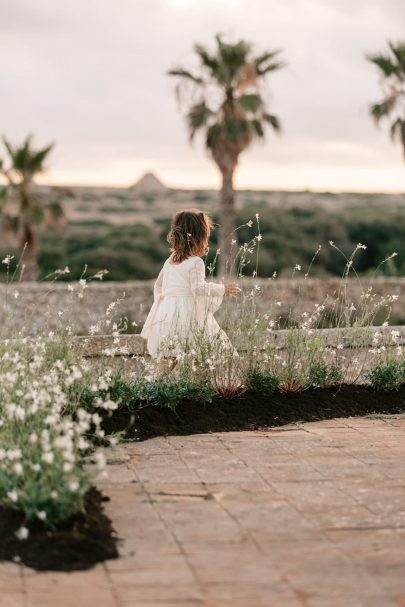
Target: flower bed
x: 50, y: 515
x: 253, y: 411
x: 81, y: 541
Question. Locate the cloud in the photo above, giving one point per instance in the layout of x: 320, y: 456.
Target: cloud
x: 92, y: 76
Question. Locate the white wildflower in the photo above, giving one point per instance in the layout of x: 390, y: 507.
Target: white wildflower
x: 22, y: 533
x: 13, y: 496
x: 18, y: 469
x: 48, y: 457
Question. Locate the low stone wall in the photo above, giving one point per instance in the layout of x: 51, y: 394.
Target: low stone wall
x: 134, y: 345
x: 36, y: 306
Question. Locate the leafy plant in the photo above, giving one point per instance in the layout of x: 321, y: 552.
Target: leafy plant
x: 389, y: 375
x: 262, y: 381
x: 322, y: 375
x: 168, y: 394
x: 163, y: 392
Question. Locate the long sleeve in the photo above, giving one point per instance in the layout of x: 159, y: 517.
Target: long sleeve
x: 157, y: 292
x: 200, y: 287
x: 157, y: 289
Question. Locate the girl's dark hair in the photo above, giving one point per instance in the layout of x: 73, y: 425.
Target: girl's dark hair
x: 189, y: 234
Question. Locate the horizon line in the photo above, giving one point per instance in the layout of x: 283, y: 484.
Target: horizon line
x: 174, y: 187
x: 218, y: 190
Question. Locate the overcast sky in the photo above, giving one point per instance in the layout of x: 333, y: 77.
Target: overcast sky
x: 90, y: 75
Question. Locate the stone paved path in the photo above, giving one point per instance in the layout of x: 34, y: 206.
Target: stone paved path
x: 300, y: 516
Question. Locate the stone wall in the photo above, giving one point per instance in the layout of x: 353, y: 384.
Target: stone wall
x: 98, y: 346
x: 49, y: 305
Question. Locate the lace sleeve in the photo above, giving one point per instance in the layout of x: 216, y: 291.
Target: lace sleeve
x: 199, y: 286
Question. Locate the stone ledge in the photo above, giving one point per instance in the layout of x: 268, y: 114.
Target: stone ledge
x: 134, y: 345
x: 97, y: 345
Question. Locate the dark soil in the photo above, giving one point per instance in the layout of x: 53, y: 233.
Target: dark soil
x: 253, y: 411
x: 83, y: 540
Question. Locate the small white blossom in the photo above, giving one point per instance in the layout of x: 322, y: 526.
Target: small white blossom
x: 22, y: 533
x: 13, y: 496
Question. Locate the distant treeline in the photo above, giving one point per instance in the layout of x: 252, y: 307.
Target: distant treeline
x: 289, y: 237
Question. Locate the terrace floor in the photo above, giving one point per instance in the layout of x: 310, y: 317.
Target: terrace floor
x: 309, y: 515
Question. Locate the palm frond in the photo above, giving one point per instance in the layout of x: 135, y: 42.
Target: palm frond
x: 198, y: 117
x: 207, y: 60
x: 266, y: 57
x: 257, y: 128
x: 273, y: 121
x: 214, y: 135
x: 398, y: 50
x: 232, y: 56
x: 236, y: 128
x: 383, y: 109
x: 385, y: 64
x: 266, y: 62
x: 187, y: 75
x: 37, y: 158
x: 236, y: 113
x: 8, y: 147
x: 396, y: 128
x: 250, y: 102
x: 24, y: 161
x: 271, y: 67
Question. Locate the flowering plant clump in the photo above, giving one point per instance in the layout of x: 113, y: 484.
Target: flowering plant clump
x: 388, y: 375
x: 41, y: 453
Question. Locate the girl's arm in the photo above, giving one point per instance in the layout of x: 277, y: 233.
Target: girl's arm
x: 200, y: 286
x: 157, y: 289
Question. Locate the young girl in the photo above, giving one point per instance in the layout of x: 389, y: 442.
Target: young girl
x: 184, y: 302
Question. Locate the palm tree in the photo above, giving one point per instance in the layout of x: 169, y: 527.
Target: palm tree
x: 24, y: 163
x: 392, y: 72
x: 226, y: 102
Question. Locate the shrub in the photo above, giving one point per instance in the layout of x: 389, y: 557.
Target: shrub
x: 322, y: 375
x: 166, y: 392
x: 262, y: 381
x: 389, y: 375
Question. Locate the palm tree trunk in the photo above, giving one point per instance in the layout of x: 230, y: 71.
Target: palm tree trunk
x: 27, y: 239
x: 227, y: 220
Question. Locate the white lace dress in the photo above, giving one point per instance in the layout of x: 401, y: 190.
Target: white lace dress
x: 184, y: 306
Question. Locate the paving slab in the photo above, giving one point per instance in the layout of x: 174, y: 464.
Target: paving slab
x: 306, y: 515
